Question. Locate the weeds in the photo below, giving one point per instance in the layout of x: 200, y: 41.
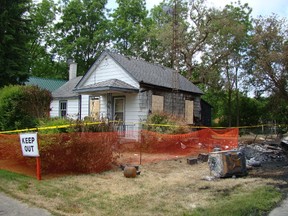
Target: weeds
x: 164, y: 188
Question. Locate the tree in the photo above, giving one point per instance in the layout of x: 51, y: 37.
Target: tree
x: 268, y: 65
x: 82, y: 32
x: 14, y: 38
x: 169, y: 24
x: 277, y: 109
x: 43, y: 62
x: 210, y: 46
x: 230, y: 42
x: 129, y: 27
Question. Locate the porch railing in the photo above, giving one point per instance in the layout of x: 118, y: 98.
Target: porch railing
x: 126, y: 130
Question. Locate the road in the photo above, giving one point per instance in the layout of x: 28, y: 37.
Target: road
x: 281, y: 210
x: 13, y: 207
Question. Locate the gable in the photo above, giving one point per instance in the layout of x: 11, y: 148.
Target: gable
x: 133, y: 72
x: 106, y: 69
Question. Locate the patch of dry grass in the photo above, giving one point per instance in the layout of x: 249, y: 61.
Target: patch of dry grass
x: 165, y: 188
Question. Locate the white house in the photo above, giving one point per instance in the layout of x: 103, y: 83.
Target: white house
x: 126, y: 89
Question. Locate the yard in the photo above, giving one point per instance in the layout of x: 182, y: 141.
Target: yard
x: 170, y: 187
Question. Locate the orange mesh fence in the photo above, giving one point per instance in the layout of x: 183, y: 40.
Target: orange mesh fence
x: 77, y: 152
x: 93, y: 152
x: 203, y: 140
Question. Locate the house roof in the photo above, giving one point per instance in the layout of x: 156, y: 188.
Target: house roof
x: 66, y: 90
x: 109, y: 85
x: 145, y: 72
x: 49, y: 84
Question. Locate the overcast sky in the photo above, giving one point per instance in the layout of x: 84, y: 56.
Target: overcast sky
x: 260, y: 7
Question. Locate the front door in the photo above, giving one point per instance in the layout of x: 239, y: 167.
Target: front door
x: 119, y: 109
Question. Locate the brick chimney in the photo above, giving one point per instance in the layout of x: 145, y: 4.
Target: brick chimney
x: 72, y: 69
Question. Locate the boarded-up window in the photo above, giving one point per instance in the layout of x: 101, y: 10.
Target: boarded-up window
x: 94, y: 107
x: 157, y: 103
x: 189, y: 111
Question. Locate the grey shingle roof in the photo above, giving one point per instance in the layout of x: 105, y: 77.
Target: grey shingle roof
x: 153, y: 74
x: 111, y: 84
x: 66, y: 90
x: 49, y: 84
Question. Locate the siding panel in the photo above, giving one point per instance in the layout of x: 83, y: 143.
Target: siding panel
x: 72, y: 108
x: 109, y: 69
x: 54, y: 109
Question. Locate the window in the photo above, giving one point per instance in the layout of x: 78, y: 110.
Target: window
x: 189, y: 111
x: 63, y: 109
x: 157, y: 103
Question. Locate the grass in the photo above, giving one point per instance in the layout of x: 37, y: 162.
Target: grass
x: 166, y: 188
x: 255, y: 202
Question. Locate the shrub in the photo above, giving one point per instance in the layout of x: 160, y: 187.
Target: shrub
x: 21, y: 106
x: 77, y: 152
x: 55, y: 122
x: 165, y: 123
x: 87, y: 125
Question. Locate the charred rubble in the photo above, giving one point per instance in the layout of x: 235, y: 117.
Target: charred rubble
x: 260, y: 153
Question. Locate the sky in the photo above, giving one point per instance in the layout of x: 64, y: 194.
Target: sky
x: 259, y: 7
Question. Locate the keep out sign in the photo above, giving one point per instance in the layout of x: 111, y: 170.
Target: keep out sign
x: 29, y: 144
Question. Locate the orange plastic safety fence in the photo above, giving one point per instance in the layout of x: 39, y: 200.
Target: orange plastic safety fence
x: 201, y: 140
x: 89, y: 152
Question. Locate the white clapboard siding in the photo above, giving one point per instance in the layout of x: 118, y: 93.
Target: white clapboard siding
x: 84, y: 106
x: 54, y: 109
x: 103, y: 107
x: 133, y: 113
x: 109, y: 69
x: 72, y: 108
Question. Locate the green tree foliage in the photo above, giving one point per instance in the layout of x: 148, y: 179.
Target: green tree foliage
x: 21, y: 106
x: 228, y: 49
x: 169, y: 25
x: 82, y: 32
x: 277, y: 109
x: 251, y: 111
x: 208, y: 44
x: 43, y: 62
x: 129, y: 27
x: 14, y: 38
x: 269, y: 56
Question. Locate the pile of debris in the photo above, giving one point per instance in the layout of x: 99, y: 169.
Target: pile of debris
x: 232, y: 163
x: 258, y: 153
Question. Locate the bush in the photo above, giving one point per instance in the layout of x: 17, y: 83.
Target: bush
x: 55, y: 122
x: 77, y: 152
x: 164, y: 123
x: 21, y: 106
x: 87, y: 125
